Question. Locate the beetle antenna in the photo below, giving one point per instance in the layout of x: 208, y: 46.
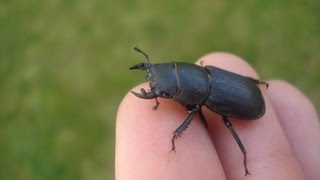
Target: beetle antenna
x: 143, y: 53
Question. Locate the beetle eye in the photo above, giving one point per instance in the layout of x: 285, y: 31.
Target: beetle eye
x: 148, y: 76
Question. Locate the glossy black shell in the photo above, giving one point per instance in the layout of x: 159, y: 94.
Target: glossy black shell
x: 234, y: 95
x: 224, y: 92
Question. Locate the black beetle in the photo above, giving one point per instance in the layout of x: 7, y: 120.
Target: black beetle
x: 224, y: 92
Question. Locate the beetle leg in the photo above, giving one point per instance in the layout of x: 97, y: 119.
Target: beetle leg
x: 257, y: 81
x: 202, y: 64
x: 157, y: 104
x: 203, y: 119
x: 236, y: 137
x: 177, y: 133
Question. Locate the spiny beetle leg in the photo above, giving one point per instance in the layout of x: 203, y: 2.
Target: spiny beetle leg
x: 236, y: 137
x: 177, y: 133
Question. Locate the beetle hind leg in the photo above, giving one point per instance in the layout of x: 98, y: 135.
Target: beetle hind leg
x: 236, y: 137
x: 178, y: 132
x: 257, y: 81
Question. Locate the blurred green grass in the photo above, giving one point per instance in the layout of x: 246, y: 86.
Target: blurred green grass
x: 64, y: 68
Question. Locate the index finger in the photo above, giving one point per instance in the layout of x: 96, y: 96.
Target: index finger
x: 143, y: 143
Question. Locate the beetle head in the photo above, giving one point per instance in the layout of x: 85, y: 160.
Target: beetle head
x: 162, y: 82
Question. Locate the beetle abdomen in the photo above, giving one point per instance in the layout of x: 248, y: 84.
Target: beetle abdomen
x: 234, y: 95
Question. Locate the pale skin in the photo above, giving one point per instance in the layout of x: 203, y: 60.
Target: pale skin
x: 283, y: 144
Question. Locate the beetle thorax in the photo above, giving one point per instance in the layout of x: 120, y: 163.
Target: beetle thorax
x: 185, y: 83
x: 163, y: 80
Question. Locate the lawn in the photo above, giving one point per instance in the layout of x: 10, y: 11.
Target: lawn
x: 64, y: 68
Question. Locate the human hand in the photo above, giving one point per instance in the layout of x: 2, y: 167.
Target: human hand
x: 283, y: 144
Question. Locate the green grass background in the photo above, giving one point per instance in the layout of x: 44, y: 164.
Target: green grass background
x: 64, y: 68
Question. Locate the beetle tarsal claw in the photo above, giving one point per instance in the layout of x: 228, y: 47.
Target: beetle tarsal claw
x: 157, y: 104
x: 173, y: 147
x: 247, y: 173
x: 263, y: 83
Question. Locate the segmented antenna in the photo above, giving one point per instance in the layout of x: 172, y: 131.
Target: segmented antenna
x: 143, y: 53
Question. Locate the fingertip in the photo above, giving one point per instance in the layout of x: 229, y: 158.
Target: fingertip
x: 229, y: 62
x: 136, y: 137
x: 143, y: 142
x: 281, y: 90
x: 300, y: 123
x: 290, y: 103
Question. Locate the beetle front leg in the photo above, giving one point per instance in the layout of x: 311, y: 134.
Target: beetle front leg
x: 236, y: 137
x: 147, y: 95
x: 177, y: 133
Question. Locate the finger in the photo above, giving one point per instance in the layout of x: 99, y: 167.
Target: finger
x: 143, y: 143
x: 300, y: 123
x: 268, y: 152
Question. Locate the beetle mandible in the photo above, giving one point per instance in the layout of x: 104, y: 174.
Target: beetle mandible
x: 223, y: 92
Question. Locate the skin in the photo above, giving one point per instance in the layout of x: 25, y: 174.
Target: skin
x: 283, y: 144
